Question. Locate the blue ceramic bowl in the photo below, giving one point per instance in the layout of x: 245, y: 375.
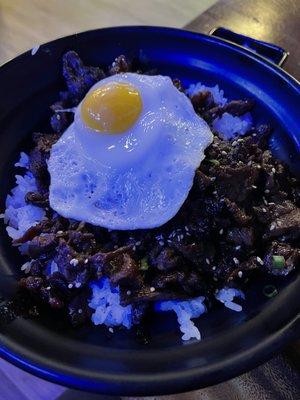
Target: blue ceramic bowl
x: 232, y: 342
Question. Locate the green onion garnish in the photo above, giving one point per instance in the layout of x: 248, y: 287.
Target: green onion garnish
x: 278, y: 262
x: 144, y: 264
x: 270, y: 291
x: 214, y: 162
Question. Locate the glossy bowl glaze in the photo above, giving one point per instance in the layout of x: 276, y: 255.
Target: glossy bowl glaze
x: 232, y: 342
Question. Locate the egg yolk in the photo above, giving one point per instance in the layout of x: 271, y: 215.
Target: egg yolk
x: 112, y: 108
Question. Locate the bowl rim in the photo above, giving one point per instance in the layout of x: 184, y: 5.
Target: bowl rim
x: 178, y: 381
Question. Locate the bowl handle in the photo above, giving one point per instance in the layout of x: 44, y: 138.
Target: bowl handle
x: 273, y: 53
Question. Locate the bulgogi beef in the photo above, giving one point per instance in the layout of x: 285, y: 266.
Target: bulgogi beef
x: 241, y: 216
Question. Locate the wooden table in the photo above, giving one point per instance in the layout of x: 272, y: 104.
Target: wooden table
x: 274, y: 21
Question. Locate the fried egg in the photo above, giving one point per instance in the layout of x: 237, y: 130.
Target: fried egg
x: 129, y: 158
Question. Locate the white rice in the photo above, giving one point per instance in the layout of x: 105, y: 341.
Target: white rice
x: 106, y: 303
x: 216, y: 92
x: 105, y: 300
x: 227, y: 126
x: 35, y: 49
x: 226, y: 295
x: 185, y: 311
x: 18, y: 214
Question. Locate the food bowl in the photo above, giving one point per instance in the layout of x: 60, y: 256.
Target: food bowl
x: 88, y: 358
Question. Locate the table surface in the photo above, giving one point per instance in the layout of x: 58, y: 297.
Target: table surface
x: 275, y: 21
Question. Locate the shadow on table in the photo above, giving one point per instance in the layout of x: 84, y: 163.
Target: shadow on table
x: 76, y: 395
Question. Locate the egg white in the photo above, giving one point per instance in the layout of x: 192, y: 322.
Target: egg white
x: 134, y: 180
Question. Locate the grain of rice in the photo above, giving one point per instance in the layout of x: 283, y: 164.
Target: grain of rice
x: 259, y: 260
x: 74, y: 262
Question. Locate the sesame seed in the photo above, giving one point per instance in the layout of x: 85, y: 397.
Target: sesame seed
x: 181, y: 237
x: 254, y: 134
x: 267, y: 191
x: 186, y: 228
x: 258, y: 167
x: 138, y: 243
x: 236, y: 261
x: 265, y: 201
x: 213, y: 178
x: 259, y: 260
x: 70, y: 285
x: 234, y: 143
x: 86, y: 260
x: 74, y: 262
x: 152, y: 289
x: 215, y: 192
x: 224, y: 153
x: 214, y: 268
x: 134, y: 248
x: 215, y: 279
x: 264, y: 210
x: 80, y: 311
x: 59, y: 232
x: 161, y: 242
x: 221, y: 231
x: 273, y: 170
x: 240, y: 274
x: 272, y: 227
x: 26, y: 266
x: 279, y: 223
x: 111, y: 329
x: 271, y: 203
x: 115, y: 246
x: 240, y: 140
x: 249, y: 163
x: 238, y: 247
x: 254, y: 187
x: 128, y: 292
x: 48, y: 288
x: 207, y: 261
x: 77, y: 285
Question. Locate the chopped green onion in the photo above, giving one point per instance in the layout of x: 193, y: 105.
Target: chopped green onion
x: 144, y: 264
x: 214, y: 162
x: 278, y: 262
x: 270, y: 291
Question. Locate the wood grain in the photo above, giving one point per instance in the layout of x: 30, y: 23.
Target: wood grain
x: 27, y: 23
x: 274, y: 21
x: 26, y: 385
